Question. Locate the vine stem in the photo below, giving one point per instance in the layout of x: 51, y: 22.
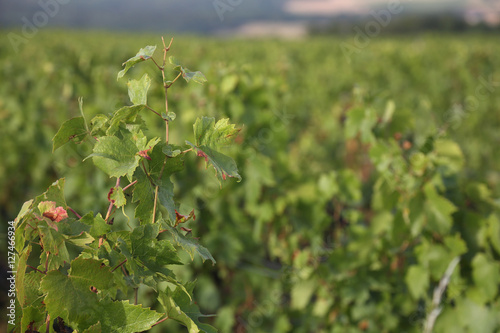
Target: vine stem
x: 437, y: 296
x: 160, y: 321
x: 150, y: 109
x: 110, y: 202
x: 73, y: 211
x: 156, y: 200
x: 108, y: 214
x: 129, y: 185
x: 47, y: 322
x: 119, y: 265
x: 165, y: 86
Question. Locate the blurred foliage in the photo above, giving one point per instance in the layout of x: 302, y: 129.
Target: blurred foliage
x: 363, y: 175
x: 398, y: 22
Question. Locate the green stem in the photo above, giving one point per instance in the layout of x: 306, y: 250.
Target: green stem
x: 150, y: 109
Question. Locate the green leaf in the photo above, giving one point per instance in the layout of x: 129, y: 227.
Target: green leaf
x: 486, y: 274
x: 476, y: 317
x: 494, y: 232
x: 117, y: 197
x: 417, y: 280
x: 177, y: 65
x: 188, y: 75
x: 439, y: 210
x: 94, y: 329
x: 301, y: 294
x: 224, y: 165
x: 148, y: 257
x: 138, y: 90
x: 99, y: 227
x: 99, y: 124
x: 24, y: 210
x: 181, y: 308
x: 116, y: 157
x: 166, y: 187
x: 143, y: 54
x: 33, y: 315
x: 72, y: 129
x: 144, y: 190
x: 123, y: 115
x: 53, y: 243
x: 197, y: 76
x: 171, y: 151
x: 189, y: 244
x: 449, y: 156
x: 214, y: 135
x: 210, y: 135
x: 80, y: 240
x: 170, y: 116
x: 360, y: 120
x: 70, y: 297
x: 124, y: 317
x: 144, y: 194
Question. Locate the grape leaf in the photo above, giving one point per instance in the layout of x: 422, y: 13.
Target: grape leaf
x: 70, y: 297
x: 147, y: 256
x: 224, y: 165
x: 171, y: 150
x: 99, y: 123
x: 99, y: 227
x: 94, y: 329
x: 117, y: 197
x: 144, y: 194
x: 124, y: 317
x: 72, y: 129
x: 439, y: 210
x: 143, y: 54
x: 53, y: 243
x: 21, y: 285
x: 116, y: 157
x: 55, y: 193
x: 417, y: 280
x: 32, y: 315
x: 138, y: 90
x: 486, y: 273
x: 166, y: 187
x: 188, y: 75
x: 180, y: 308
x: 213, y: 135
x: 170, y: 116
x: 144, y: 190
x: 189, y: 244
x: 125, y: 114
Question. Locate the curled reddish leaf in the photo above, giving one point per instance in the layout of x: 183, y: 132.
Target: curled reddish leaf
x: 179, y: 218
x: 49, y: 210
x: 144, y: 153
x: 202, y: 154
x: 111, y: 190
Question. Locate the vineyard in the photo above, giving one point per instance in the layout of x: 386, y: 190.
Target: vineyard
x: 370, y: 180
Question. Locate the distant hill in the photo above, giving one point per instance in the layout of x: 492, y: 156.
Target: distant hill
x: 158, y: 15
x: 232, y: 16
